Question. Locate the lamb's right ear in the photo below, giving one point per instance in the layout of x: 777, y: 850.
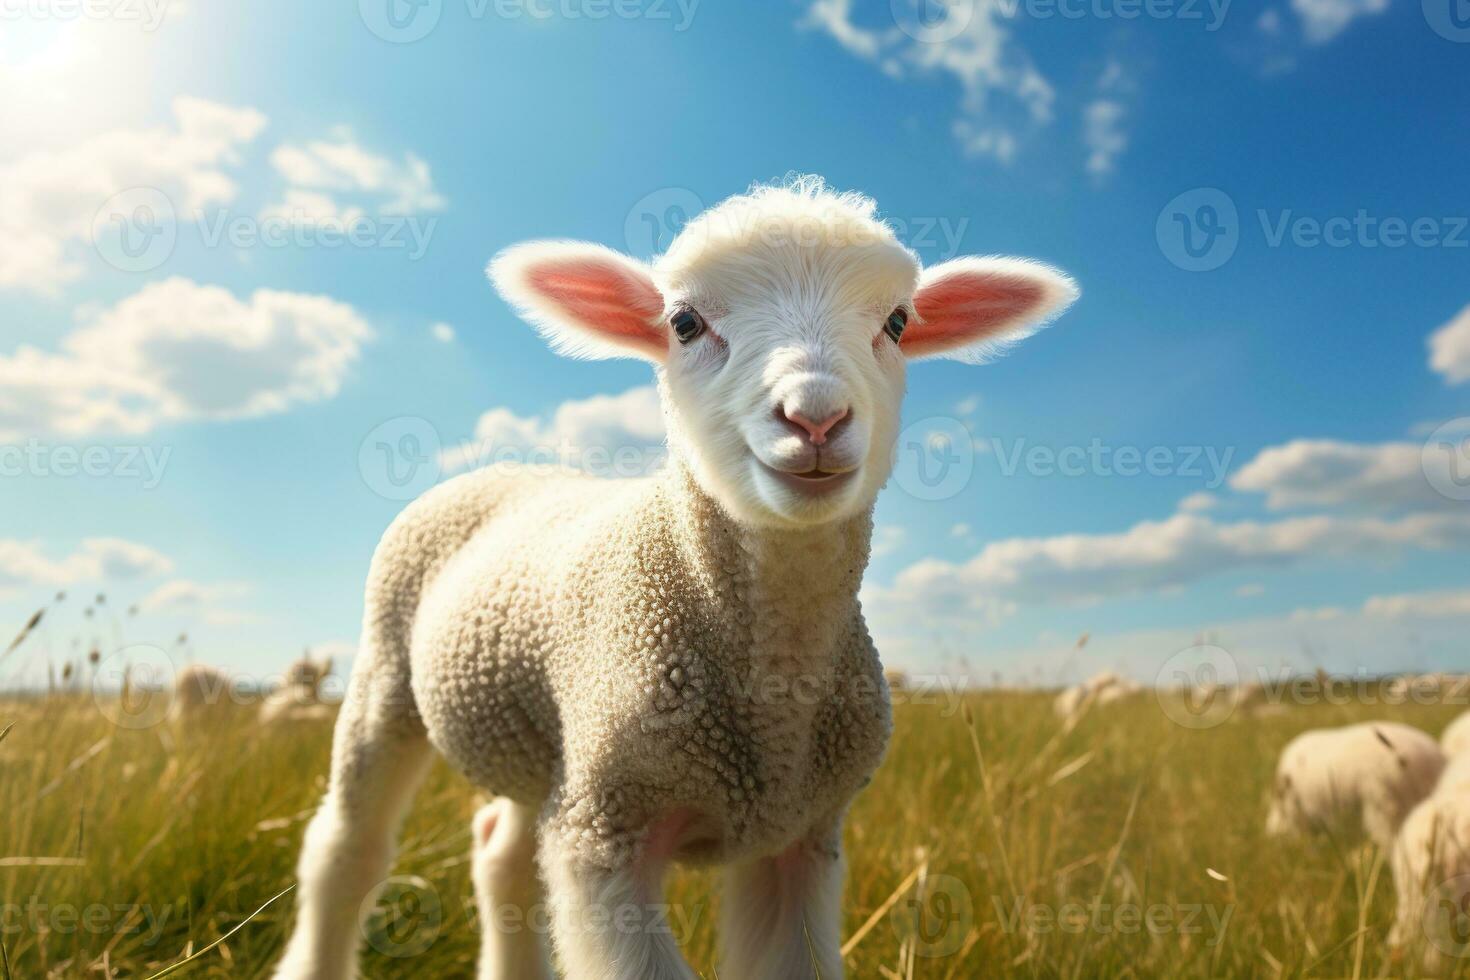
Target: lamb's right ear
x: 587, y: 300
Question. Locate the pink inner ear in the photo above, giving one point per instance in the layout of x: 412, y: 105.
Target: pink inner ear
x: 962, y: 309
x: 605, y: 299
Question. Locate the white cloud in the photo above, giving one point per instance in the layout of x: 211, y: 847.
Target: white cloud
x: 1449, y: 349
x: 960, y: 530
x: 1323, y: 20
x: 340, y: 165
x: 1199, y: 502
x: 887, y: 539
x: 621, y: 434
x: 183, y: 597
x: 1002, y: 92
x: 177, y: 350
x: 1103, y: 135
x: 49, y: 199
x: 1325, y: 472
x: 442, y: 332
x: 1436, y: 605
x: 24, y: 563
x: 304, y: 209
x: 968, y: 405
x: 1151, y: 557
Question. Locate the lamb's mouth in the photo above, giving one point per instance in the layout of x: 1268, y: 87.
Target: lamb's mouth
x: 814, y: 482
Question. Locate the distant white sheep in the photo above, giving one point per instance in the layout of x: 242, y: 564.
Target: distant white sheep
x: 673, y: 668
x: 201, y: 691
x: 300, y: 697
x: 1431, y: 872
x: 1351, y: 781
x: 1103, y: 688
x: 1454, y: 741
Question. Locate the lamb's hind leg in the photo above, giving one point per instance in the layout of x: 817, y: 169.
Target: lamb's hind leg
x: 508, y: 893
x: 379, y: 755
x: 782, y: 916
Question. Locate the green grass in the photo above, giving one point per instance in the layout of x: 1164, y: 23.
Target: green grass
x: 162, y: 841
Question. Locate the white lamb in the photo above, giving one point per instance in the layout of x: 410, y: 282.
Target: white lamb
x: 1360, y: 779
x: 672, y: 668
x: 201, y: 692
x: 1454, y: 741
x: 1103, y: 688
x: 300, y: 697
x: 1431, y: 871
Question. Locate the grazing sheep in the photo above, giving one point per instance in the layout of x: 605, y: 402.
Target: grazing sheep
x: 1454, y: 741
x: 300, y: 697
x: 1360, y: 779
x: 1103, y: 688
x: 1431, y: 871
x: 201, y: 691
x: 677, y: 667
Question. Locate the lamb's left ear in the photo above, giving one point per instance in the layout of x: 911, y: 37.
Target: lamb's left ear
x: 587, y: 300
x: 970, y: 308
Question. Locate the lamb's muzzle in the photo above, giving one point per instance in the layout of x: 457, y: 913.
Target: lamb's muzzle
x: 674, y: 668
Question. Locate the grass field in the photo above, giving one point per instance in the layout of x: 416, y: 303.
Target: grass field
x: 1128, y: 846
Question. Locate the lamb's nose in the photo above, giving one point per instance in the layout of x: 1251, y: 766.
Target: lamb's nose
x: 817, y: 432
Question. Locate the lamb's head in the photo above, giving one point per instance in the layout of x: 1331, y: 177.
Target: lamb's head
x: 780, y: 322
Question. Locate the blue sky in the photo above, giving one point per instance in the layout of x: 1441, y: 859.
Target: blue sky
x: 225, y: 374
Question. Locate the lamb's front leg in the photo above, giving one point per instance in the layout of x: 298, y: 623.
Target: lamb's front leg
x: 782, y: 916
x: 609, y: 923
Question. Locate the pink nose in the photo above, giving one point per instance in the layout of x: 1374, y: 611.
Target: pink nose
x: 816, y: 431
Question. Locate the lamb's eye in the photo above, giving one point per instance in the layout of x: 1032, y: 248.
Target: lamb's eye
x: 895, y: 323
x: 687, y: 324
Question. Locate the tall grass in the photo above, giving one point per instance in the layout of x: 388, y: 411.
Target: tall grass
x: 993, y: 842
